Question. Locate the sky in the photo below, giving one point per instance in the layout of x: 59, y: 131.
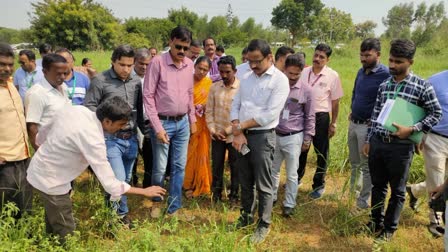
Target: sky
x: 15, y: 13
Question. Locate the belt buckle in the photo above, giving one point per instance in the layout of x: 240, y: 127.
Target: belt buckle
x: 387, y: 139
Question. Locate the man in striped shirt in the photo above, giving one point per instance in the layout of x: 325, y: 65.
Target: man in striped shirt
x: 390, y: 154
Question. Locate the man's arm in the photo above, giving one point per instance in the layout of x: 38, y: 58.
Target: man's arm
x: 210, y: 111
x: 32, y: 129
x: 309, y: 116
x: 94, y: 94
x: 432, y: 108
x: 191, y: 111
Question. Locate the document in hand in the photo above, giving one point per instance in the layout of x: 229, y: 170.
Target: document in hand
x: 401, y: 112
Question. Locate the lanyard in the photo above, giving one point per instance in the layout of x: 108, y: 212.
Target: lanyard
x: 309, y: 77
x: 398, y: 89
x: 30, y: 82
x: 70, y: 94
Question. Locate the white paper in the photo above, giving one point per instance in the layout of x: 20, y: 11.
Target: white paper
x: 285, y: 114
x: 385, y: 111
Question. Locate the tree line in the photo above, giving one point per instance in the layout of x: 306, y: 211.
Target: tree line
x: 88, y: 25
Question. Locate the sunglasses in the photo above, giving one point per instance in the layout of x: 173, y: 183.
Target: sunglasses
x: 179, y: 47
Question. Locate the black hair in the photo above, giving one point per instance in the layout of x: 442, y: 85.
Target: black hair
x: 302, y: 53
x: 142, y: 53
x: 6, y: 50
x: 123, y: 51
x: 220, y: 48
x: 244, y: 51
x: 182, y: 33
x: 203, y: 58
x: 85, y: 61
x: 203, y: 41
x: 261, y: 45
x: 195, y: 43
x: 371, y: 44
x: 65, y: 50
x: 295, y: 60
x: 50, y: 59
x: 283, y: 51
x: 29, y: 54
x: 152, y: 48
x: 402, y: 48
x: 44, y: 48
x: 114, y: 109
x: 324, y: 48
x: 227, y: 60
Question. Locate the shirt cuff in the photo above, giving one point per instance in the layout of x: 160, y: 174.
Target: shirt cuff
x: 124, y: 188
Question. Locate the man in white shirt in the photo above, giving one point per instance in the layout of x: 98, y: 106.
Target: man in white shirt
x: 76, y: 138
x: 44, y: 100
x: 255, y: 113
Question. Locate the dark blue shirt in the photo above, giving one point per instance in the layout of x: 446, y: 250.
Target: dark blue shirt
x: 78, y: 93
x: 365, y: 91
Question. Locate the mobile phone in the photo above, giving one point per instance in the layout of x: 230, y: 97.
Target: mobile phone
x: 244, y: 149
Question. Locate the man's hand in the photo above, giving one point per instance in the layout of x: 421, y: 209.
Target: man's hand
x: 366, y: 149
x: 419, y: 147
x: 219, y: 136
x: 403, y: 132
x: 238, y: 141
x: 2, y: 161
x: 306, y: 145
x: 332, y: 130
x: 437, y: 192
x: 163, y: 137
x: 153, y: 191
x: 193, y: 128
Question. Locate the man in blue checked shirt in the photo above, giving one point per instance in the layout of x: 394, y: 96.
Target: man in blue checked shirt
x: 390, y: 154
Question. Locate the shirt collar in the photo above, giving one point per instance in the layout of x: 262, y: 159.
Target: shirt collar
x: 115, y: 76
x: 405, y: 80
x: 234, y: 85
x: 169, y: 60
x: 295, y: 85
x: 48, y: 87
x: 271, y: 70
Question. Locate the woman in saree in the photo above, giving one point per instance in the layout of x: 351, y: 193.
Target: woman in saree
x: 198, y: 174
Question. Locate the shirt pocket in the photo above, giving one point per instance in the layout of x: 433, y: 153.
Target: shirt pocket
x: 261, y: 95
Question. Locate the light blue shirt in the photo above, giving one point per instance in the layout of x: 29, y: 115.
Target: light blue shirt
x: 440, y: 84
x: 261, y: 98
x: 25, y: 80
x: 78, y: 92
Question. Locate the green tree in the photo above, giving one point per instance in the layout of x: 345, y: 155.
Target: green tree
x: 75, y: 24
x: 426, y: 22
x: 183, y: 17
x: 399, y: 21
x: 155, y: 30
x: 365, y: 29
x: 13, y: 36
x: 333, y: 26
x: 217, y: 26
x: 296, y: 16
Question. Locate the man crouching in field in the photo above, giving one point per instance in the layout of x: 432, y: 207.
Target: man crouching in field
x: 74, y: 140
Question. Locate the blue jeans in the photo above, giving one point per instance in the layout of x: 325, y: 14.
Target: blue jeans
x: 121, y: 155
x: 179, y: 135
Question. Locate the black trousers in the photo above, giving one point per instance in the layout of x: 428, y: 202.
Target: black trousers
x: 389, y: 165
x: 321, y: 143
x: 219, y: 149
x: 255, y: 172
x: 14, y: 187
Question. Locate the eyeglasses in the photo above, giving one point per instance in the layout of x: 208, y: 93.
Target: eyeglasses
x: 179, y: 47
x: 256, y: 62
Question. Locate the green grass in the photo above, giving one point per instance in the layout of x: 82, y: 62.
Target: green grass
x: 329, y: 224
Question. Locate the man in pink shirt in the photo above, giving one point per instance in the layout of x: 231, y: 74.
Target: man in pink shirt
x: 168, y: 101
x: 326, y: 91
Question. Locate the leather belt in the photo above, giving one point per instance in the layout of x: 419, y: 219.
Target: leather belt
x: 393, y: 139
x: 171, y: 118
x: 125, y: 135
x: 256, y: 132
x: 287, y: 134
x: 360, y: 121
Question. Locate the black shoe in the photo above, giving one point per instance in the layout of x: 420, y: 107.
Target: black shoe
x: 233, y: 197
x: 436, y: 230
x: 385, y: 236
x: 287, y: 211
x: 375, y: 228
x: 127, y: 222
x: 244, y: 221
x: 412, y: 199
